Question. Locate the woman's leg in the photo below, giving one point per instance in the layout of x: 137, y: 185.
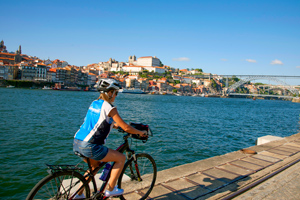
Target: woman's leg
x: 94, y: 165
x: 119, y: 159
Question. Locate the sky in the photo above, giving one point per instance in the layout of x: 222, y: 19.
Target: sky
x: 225, y: 37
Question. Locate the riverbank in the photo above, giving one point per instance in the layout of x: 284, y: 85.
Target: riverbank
x: 30, y: 85
x: 221, y: 177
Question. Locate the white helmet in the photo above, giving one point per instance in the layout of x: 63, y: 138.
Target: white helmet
x: 107, y: 84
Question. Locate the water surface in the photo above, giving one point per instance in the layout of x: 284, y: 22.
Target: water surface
x: 38, y: 126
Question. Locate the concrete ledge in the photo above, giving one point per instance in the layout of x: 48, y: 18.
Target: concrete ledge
x: 225, y: 174
x: 266, y: 139
x: 191, y: 168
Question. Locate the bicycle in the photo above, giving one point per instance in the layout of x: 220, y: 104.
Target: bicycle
x: 65, y: 181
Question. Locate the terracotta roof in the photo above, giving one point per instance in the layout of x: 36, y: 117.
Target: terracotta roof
x: 146, y: 57
x: 11, y: 54
x: 3, y: 58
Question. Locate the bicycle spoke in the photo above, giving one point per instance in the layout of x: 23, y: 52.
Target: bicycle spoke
x: 58, y: 186
x: 138, y: 177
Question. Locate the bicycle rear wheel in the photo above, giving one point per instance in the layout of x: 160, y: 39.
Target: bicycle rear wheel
x: 59, y: 186
x: 138, y: 178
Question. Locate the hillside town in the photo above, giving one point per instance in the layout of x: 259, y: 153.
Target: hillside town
x: 147, y: 74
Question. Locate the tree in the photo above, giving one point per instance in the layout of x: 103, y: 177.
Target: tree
x: 161, y: 64
x: 213, y: 83
x: 235, y: 78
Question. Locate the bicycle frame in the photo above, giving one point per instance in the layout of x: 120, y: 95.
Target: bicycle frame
x: 91, y: 177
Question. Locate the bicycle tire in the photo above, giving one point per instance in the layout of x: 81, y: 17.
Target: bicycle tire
x: 56, y: 186
x: 128, y: 180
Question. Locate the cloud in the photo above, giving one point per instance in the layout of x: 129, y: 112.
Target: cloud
x: 298, y: 67
x: 223, y: 59
x: 251, y: 61
x: 276, y: 62
x: 181, y: 59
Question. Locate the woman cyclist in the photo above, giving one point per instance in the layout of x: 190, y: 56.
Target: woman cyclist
x: 91, y: 137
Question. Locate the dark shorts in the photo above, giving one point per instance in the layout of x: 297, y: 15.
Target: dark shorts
x: 93, y: 151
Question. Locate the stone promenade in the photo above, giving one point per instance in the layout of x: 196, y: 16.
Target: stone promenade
x: 222, y: 176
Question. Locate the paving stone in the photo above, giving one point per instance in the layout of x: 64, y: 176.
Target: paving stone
x: 162, y: 193
x: 190, y: 190
x: 266, y: 158
x: 206, y: 181
x: 273, y: 155
x: 221, y: 175
x: 257, y: 161
x: 283, y: 148
x: 246, y: 165
x: 290, y: 146
x: 280, y: 152
x: 132, y: 196
x: 236, y: 169
x: 293, y: 144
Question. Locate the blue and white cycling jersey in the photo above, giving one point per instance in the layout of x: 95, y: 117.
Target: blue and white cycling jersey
x: 97, y: 124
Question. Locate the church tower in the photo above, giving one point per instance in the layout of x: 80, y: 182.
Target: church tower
x: 2, y: 47
x: 132, y: 59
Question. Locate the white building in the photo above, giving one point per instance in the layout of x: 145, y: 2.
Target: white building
x: 160, y: 70
x: 148, y: 61
x: 132, y: 69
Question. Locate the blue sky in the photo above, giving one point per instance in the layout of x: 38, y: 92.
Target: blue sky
x: 220, y: 37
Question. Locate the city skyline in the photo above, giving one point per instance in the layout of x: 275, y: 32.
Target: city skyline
x: 220, y: 37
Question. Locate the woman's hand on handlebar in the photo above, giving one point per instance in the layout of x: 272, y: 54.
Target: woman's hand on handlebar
x: 144, y: 134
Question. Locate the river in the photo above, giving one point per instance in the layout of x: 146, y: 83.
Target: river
x: 37, y: 127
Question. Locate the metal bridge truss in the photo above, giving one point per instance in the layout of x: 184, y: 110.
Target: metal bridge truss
x: 251, y: 78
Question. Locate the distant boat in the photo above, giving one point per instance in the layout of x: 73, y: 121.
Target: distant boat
x: 10, y: 86
x: 132, y: 91
x: 46, y: 88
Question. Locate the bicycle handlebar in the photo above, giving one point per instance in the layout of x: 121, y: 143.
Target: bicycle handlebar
x: 138, y: 126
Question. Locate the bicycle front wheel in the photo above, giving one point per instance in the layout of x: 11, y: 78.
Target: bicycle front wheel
x: 138, y: 177
x: 59, y: 186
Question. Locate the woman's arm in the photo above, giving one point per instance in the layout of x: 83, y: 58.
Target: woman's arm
x: 120, y: 122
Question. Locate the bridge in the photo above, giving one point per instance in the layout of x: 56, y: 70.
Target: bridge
x: 247, y: 78
x: 262, y: 95
x: 279, y: 79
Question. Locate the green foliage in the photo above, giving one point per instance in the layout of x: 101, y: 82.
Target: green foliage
x: 161, y: 64
x: 176, y: 81
x: 242, y: 90
x: 174, y: 90
x: 258, y: 84
x: 213, y: 83
x: 234, y: 78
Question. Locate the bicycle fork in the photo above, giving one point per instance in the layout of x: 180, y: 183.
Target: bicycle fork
x: 136, y: 166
